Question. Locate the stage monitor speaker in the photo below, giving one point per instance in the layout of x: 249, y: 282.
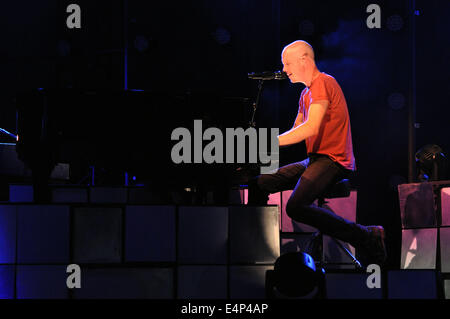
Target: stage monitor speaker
x: 419, y: 248
x: 417, y: 205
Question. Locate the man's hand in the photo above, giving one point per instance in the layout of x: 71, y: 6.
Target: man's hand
x: 309, y: 128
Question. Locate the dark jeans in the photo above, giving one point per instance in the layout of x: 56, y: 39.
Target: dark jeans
x: 309, y: 179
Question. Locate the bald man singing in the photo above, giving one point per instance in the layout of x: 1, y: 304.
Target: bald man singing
x: 323, y: 123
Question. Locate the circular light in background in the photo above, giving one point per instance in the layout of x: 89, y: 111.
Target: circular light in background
x: 221, y: 35
x: 395, y: 22
x: 396, y: 101
x: 141, y: 43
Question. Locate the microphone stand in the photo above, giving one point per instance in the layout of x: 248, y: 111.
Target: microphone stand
x: 256, y: 102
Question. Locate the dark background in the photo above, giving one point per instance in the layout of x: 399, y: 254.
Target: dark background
x: 210, y: 46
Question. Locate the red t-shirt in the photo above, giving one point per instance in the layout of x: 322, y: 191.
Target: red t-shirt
x: 334, y: 138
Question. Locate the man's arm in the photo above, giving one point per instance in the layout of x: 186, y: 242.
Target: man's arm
x: 309, y: 128
x: 298, y: 120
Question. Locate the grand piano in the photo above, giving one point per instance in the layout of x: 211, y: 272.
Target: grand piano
x: 121, y: 131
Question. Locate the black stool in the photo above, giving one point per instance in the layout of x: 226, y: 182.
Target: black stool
x: 339, y: 190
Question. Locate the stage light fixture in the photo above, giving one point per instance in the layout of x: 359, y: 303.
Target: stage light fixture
x: 395, y: 22
x: 295, y: 276
x: 431, y: 163
x: 396, y: 101
x: 222, y: 36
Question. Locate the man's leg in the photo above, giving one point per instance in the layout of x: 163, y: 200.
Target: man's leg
x: 285, y: 178
x: 316, y: 179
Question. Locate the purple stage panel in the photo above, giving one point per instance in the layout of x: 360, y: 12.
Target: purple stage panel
x: 7, y: 277
x: 8, y: 234
x: 248, y: 282
x: 42, y: 282
x: 20, y: 193
x: 126, y: 283
x: 412, y: 284
x: 202, y: 282
x: 150, y: 233
x: 43, y: 234
x: 350, y: 286
x: 202, y: 235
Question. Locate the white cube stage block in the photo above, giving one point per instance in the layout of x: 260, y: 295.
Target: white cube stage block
x: 417, y: 205
x: 97, y: 235
x: 202, y: 282
x: 150, y: 233
x: 274, y: 199
x: 41, y: 282
x: 419, y: 248
x: 202, y: 235
x: 445, y: 206
x: 444, y: 237
x: 126, y: 283
x: 8, y: 234
x: 69, y: 195
x: 350, y: 286
x: 106, y: 195
x: 43, y: 233
x: 254, y: 235
x: 248, y: 282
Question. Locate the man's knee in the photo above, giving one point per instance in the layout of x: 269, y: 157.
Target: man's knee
x: 295, y: 209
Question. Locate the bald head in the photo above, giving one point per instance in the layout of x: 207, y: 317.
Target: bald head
x: 298, y: 62
x: 299, y: 48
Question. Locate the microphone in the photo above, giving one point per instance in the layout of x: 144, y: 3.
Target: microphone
x: 268, y: 75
